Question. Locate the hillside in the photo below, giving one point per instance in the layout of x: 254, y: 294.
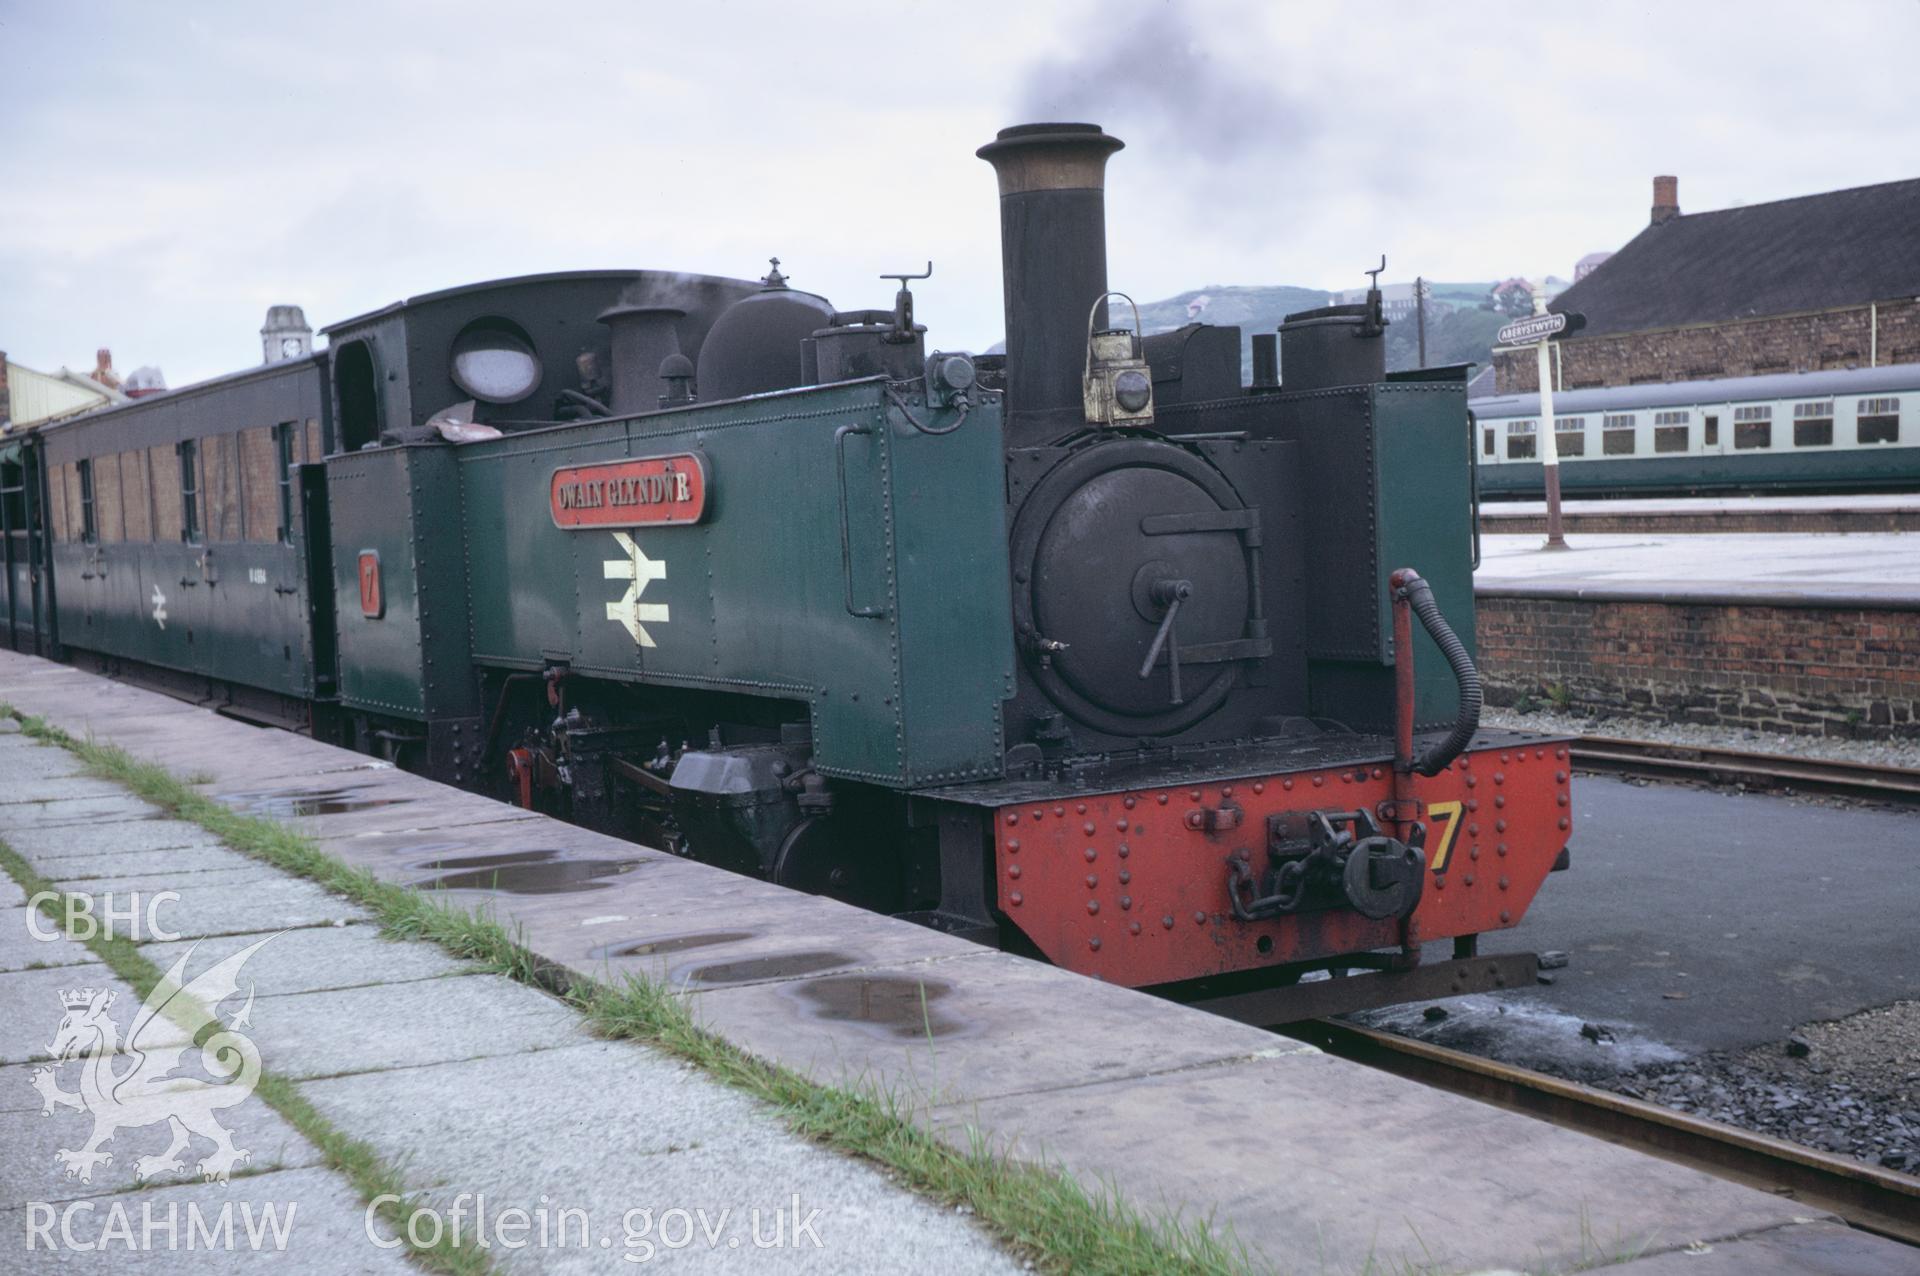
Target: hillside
x: 1459, y: 330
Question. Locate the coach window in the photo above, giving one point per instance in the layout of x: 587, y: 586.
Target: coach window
x: 1570, y: 436
x: 1877, y: 421
x: 190, y: 491
x: 161, y: 462
x: 261, y: 475
x: 1753, y: 427
x: 283, y: 445
x: 136, y: 497
x: 89, y: 530
x: 108, y: 512
x: 1616, y: 434
x: 1813, y: 424
x: 1488, y: 446
x: 1670, y: 431
x: 1710, y: 430
x: 1520, y: 440
x: 13, y: 495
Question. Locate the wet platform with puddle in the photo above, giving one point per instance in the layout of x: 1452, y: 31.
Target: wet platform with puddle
x: 1312, y: 1162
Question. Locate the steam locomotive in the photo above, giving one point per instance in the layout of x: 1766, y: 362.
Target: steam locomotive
x: 1091, y: 650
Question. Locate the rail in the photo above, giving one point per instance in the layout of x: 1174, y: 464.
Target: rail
x: 1866, y: 1196
x: 1756, y: 770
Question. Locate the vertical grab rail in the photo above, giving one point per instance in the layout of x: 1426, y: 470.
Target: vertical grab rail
x: 846, y: 535
x: 1473, y: 467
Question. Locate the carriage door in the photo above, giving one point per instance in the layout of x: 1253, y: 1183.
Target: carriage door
x: 23, y: 550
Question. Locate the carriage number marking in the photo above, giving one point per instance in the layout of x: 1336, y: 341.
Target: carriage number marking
x: 1450, y: 812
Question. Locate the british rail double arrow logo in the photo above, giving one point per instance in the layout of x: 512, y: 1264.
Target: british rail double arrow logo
x: 642, y: 571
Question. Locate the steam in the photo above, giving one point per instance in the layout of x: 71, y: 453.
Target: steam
x: 1153, y: 77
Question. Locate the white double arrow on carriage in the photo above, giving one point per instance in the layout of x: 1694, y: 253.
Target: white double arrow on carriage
x: 642, y: 571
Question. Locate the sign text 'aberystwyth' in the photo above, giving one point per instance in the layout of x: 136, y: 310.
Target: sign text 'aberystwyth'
x: 655, y: 491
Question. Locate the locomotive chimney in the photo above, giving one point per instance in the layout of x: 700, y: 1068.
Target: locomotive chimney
x: 1053, y: 260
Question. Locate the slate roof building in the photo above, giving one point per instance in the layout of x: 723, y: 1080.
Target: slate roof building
x: 1795, y: 285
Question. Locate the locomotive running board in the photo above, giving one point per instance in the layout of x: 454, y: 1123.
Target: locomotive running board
x: 1323, y: 997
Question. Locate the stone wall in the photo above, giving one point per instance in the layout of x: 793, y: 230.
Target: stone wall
x: 1847, y: 672
x: 1751, y: 347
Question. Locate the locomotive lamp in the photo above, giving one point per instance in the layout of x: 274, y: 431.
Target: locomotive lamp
x: 1118, y: 386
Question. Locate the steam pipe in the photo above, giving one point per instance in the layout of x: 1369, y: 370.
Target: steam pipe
x: 1411, y: 592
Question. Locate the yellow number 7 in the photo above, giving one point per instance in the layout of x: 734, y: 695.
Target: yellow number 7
x: 1450, y: 812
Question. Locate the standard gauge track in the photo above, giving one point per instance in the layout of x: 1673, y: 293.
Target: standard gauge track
x: 1755, y: 770
x: 1867, y: 1197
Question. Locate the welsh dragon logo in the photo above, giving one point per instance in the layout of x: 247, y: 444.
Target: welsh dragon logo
x: 174, y: 1016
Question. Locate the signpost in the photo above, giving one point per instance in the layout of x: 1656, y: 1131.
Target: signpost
x: 1540, y: 329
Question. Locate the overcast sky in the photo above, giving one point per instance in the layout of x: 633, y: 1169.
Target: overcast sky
x: 167, y: 171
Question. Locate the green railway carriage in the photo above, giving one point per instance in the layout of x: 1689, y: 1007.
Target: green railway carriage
x: 1838, y: 430
x: 180, y: 541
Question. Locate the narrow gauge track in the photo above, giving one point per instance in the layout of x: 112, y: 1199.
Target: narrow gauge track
x: 1756, y: 770
x: 1867, y: 1197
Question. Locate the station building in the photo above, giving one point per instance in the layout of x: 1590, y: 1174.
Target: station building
x: 1795, y: 285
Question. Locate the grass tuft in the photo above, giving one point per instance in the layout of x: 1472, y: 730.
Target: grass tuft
x: 371, y: 1176
x: 1044, y: 1214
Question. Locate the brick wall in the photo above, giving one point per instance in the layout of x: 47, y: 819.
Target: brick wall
x: 1780, y: 343
x: 1789, y: 670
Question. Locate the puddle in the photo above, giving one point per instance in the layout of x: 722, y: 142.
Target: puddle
x: 459, y: 862
x: 895, y: 1007
x: 519, y: 875
x: 284, y: 804
x: 672, y: 944
x: 783, y: 966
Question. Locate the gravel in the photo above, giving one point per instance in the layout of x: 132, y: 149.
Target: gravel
x: 1902, y: 753
x: 1855, y: 1090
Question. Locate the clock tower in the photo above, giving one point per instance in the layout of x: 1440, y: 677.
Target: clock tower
x: 286, y: 334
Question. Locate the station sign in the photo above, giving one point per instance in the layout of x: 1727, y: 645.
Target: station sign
x: 653, y: 491
x: 1540, y: 328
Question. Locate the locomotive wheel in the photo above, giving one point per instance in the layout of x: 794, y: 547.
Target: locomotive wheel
x: 824, y: 856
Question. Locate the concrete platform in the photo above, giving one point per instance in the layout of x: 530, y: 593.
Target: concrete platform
x: 1869, y: 570
x: 1314, y: 1163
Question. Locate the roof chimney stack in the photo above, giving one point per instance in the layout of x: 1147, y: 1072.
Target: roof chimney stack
x: 1666, y: 199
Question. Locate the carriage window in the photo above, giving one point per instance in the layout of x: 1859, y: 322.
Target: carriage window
x: 190, y: 491
x: 13, y: 505
x: 136, y: 496
x: 261, y: 476
x: 283, y: 438
x: 1488, y: 446
x: 1710, y: 431
x: 220, y: 487
x: 89, y: 530
x: 1813, y: 424
x: 1878, y: 421
x: 1570, y: 436
x: 1616, y: 434
x: 108, y: 512
x: 1753, y: 427
x: 1520, y: 440
x: 57, y: 501
x: 76, y: 522
x: 1670, y: 431
x: 161, y: 462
